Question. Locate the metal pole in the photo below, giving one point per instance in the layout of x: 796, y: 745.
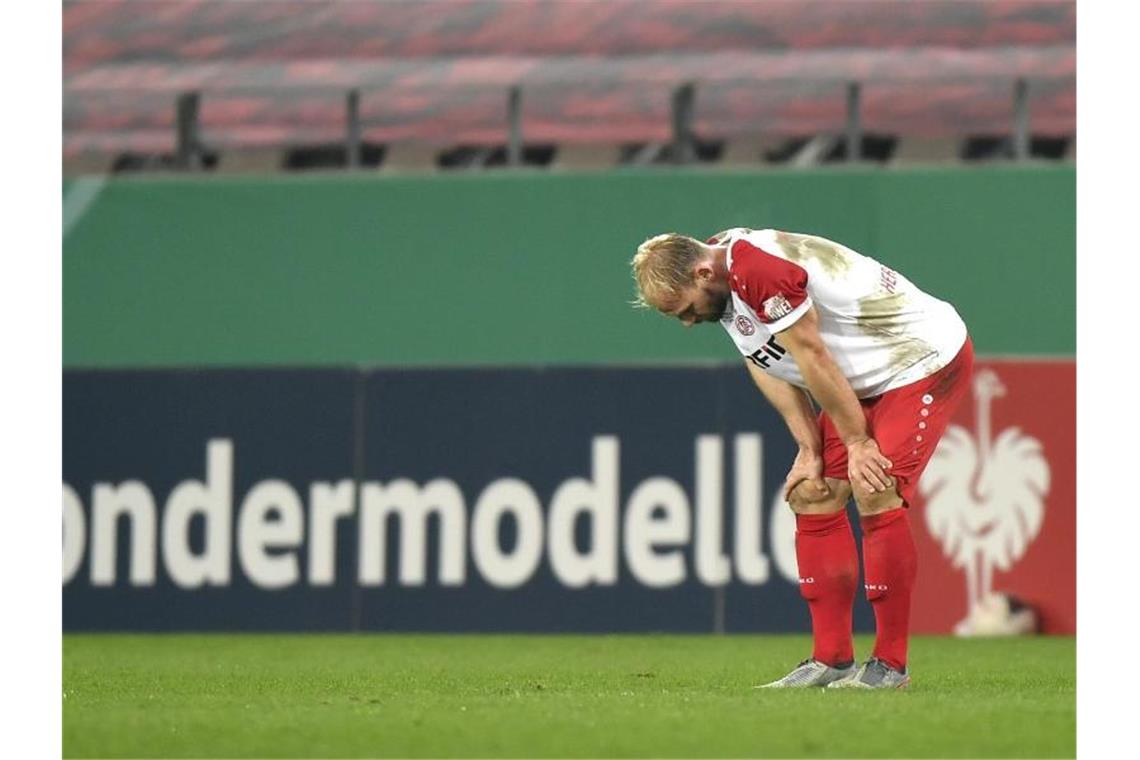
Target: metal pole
x: 514, y: 124
x: 683, y: 98
x: 186, y: 120
x: 1021, y: 120
x: 854, y: 125
x: 352, y: 131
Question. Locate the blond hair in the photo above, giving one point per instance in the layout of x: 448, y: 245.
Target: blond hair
x: 663, y: 267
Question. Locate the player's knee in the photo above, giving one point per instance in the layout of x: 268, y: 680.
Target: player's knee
x: 807, y: 499
x: 882, y: 501
x: 801, y: 502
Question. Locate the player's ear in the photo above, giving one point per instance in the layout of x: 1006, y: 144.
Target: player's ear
x: 703, y: 271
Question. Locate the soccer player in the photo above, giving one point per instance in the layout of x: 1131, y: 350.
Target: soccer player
x: 887, y: 363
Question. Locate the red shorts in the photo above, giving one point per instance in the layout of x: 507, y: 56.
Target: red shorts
x: 907, y: 423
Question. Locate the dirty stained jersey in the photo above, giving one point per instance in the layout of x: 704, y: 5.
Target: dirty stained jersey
x: 882, y: 331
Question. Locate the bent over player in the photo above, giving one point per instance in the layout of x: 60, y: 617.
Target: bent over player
x: 887, y: 363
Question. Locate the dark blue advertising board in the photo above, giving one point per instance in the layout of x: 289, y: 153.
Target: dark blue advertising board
x: 176, y: 473
x: 570, y: 499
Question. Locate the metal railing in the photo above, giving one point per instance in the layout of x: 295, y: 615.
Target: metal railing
x: 190, y: 147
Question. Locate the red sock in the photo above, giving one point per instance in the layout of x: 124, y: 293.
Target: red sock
x: 890, y: 563
x: 829, y: 569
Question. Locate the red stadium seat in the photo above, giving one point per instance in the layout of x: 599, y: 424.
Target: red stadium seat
x: 277, y: 74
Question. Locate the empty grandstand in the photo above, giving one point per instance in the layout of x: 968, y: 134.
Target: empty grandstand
x: 422, y: 86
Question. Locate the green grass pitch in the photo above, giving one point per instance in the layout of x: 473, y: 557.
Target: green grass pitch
x: 551, y: 696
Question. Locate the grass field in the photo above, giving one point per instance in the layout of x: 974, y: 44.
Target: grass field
x: 551, y: 696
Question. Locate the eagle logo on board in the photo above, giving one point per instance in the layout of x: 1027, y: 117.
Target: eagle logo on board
x: 744, y: 325
x: 777, y: 306
x: 985, y: 494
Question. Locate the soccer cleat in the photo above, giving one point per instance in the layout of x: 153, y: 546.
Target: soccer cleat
x: 873, y: 674
x: 810, y: 673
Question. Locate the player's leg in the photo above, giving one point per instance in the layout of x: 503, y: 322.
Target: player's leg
x: 890, y: 565
x: 828, y: 570
x: 907, y: 423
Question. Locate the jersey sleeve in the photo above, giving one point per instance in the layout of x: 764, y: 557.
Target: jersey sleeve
x: 774, y: 287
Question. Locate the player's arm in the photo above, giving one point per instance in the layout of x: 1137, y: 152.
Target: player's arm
x: 795, y: 406
x: 866, y: 464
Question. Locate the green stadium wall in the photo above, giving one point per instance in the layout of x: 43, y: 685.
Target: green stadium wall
x: 520, y: 268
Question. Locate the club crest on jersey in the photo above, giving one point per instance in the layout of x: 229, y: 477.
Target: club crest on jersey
x: 777, y: 306
x: 744, y: 325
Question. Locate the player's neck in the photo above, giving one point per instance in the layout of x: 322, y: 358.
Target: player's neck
x: 720, y: 261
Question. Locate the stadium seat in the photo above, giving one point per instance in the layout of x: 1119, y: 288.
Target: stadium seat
x: 590, y: 71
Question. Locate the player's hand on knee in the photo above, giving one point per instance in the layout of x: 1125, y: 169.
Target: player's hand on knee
x: 805, y: 479
x: 867, y: 468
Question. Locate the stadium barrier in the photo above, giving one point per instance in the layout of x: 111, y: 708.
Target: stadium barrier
x: 522, y: 269
x: 540, y: 499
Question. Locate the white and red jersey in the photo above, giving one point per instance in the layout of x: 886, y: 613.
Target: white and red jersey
x: 882, y: 331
